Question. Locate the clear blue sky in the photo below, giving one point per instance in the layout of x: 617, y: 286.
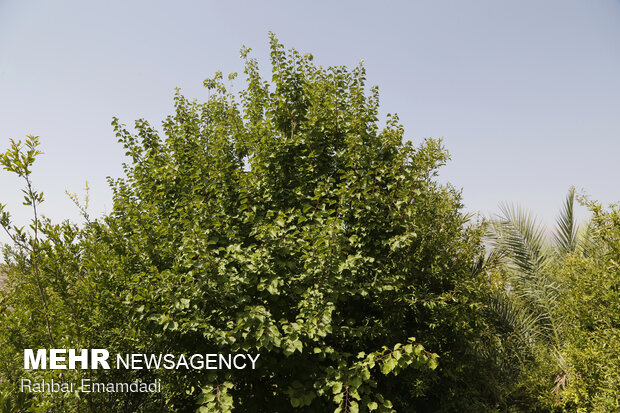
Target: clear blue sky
x: 526, y: 94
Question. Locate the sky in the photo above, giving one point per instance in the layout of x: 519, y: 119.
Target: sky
x: 525, y: 94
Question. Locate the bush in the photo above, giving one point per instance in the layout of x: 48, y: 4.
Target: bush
x: 592, y: 304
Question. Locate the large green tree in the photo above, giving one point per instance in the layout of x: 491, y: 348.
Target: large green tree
x: 282, y: 221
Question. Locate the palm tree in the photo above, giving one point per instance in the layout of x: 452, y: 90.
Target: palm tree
x: 524, y: 257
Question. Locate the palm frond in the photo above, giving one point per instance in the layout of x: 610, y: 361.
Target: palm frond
x: 521, y: 240
x: 521, y: 237
x: 517, y: 319
x: 565, y: 237
x: 541, y: 297
x: 485, y: 262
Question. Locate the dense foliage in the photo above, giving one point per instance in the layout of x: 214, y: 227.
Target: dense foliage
x: 592, y: 308
x: 559, y: 301
x: 283, y: 221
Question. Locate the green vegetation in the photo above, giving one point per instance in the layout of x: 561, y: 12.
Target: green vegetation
x: 559, y: 300
x: 283, y: 221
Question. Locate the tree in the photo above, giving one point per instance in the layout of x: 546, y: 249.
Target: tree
x: 529, y: 260
x: 592, y: 308
x: 283, y: 221
x: 534, y: 289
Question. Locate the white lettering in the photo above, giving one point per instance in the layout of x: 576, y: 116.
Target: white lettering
x: 124, y: 362
x: 99, y: 356
x: 235, y: 362
x: 82, y: 358
x: 182, y: 361
x: 153, y: 361
x: 209, y: 360
x: 55, y: 358
x: 253, y: 360
x: 135, y: 359
x: 223, y: 361
x: 24, y: 385
x: 86, y: 385
x: 198, y: 366
x: 38, y: 362
x: 169, y: 362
